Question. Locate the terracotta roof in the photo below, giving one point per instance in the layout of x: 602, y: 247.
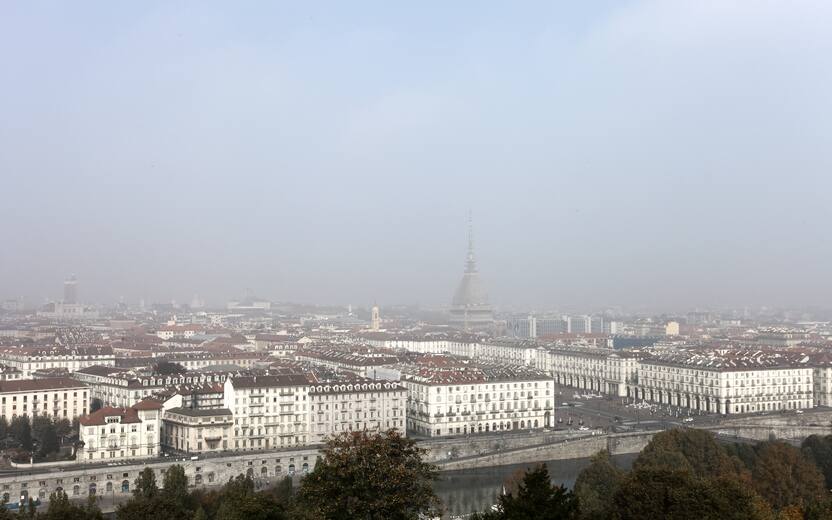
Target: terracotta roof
x: 147, y: 404
x: 128, y: 415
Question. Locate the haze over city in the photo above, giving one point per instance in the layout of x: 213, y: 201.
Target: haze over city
x: 661, y: 155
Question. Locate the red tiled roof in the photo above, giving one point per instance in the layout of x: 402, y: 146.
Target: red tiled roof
x: 147, y: 404
x: 128, y: 415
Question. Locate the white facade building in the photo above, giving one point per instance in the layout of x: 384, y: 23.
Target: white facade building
x: 56, y: 397
x: 30, y: 359
x: 269, y: 411
x: 474, y: 401
x: 121, y: 433
x: 725, y: 385
x: 374, y: 406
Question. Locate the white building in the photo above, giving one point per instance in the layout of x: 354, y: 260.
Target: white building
x: 474, y: 400
x: 269, y: 411
x: 120, y: 387
x: 739, y: 382
x: 30, y: 359
x: 121, y: 433
x: 57, y: 397
x: 359, y: 405
x: 588, y: 368
x: 194, y: 430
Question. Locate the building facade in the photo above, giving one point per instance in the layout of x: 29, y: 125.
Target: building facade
x: 360, y: 405
x: 121, y: 433
x: 192, y: 430
x: 59, y: 398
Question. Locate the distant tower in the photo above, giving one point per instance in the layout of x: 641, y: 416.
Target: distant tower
x: 376, y: 319
x: 470, y: 309
x: 71, y: 290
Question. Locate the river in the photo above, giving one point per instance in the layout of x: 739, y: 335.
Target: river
x: 471, y: 490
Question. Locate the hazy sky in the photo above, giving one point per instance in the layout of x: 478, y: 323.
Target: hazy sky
x: 613, y: 153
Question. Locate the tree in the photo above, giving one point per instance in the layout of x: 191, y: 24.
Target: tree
x: 696, y: 450
x: 784, y: 477
x: 819, y: 450
x: 95, y: 404
x: 166, y: 367
x: 64, y: 428
x: 21, y: 430
x: 370, y: 476
x: 239, y: 501
x: 146, y: 501
x: 48, y: 440
x: 61, y: 508
x: 679, y: 495
x: 595, y: 485
x: 535, y: 499
x: 145, y: 485
x: 177, y: 501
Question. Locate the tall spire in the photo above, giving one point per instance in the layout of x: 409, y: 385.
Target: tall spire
x: 470, y: 263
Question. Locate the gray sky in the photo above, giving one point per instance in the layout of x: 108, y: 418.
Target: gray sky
x: 626, y: 153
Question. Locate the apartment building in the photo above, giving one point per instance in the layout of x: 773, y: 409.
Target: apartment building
x: 357, y: 405
x: 57, y: 397
x: 30, y: 359
x: 726, y: 383
x: 473, y: 399
x: 121, y: 433
x: 121, y: 387
x: 269, y: 411
x: 194, y: 430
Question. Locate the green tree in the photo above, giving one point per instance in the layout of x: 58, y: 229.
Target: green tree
x: 63, y: 428
x: 819, y: 450
x: 784, y: 476
x: 535, y: 499
x: 146, y: 502
x: 21, y: 430
x: 670, y: 494
x: 175, y: 491
x: 61, y: 508
x: 370, y: 476
x: 694, y: 450
x: 238, y: 501
x: 48, y: 440
x: 596, y: 484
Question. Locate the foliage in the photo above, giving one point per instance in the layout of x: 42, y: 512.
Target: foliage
x: 535, y: 499
x: 819, y: 450
x: 240, y: 502
x: 651, y: 492
x: 21, y: 431
x: 48, y: 440
x: 166, y: 368
x: 596, y: 484
x: 784, y: 477
x: 370, y: 476
x: 61, y: 508
x: 694, y: 450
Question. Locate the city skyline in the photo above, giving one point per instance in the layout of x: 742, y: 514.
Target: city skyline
x: 636, y: 154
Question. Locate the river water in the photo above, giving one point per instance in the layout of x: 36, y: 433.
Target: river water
x: 467, y: 491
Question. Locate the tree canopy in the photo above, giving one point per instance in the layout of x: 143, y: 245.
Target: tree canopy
x: 370, y: 476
